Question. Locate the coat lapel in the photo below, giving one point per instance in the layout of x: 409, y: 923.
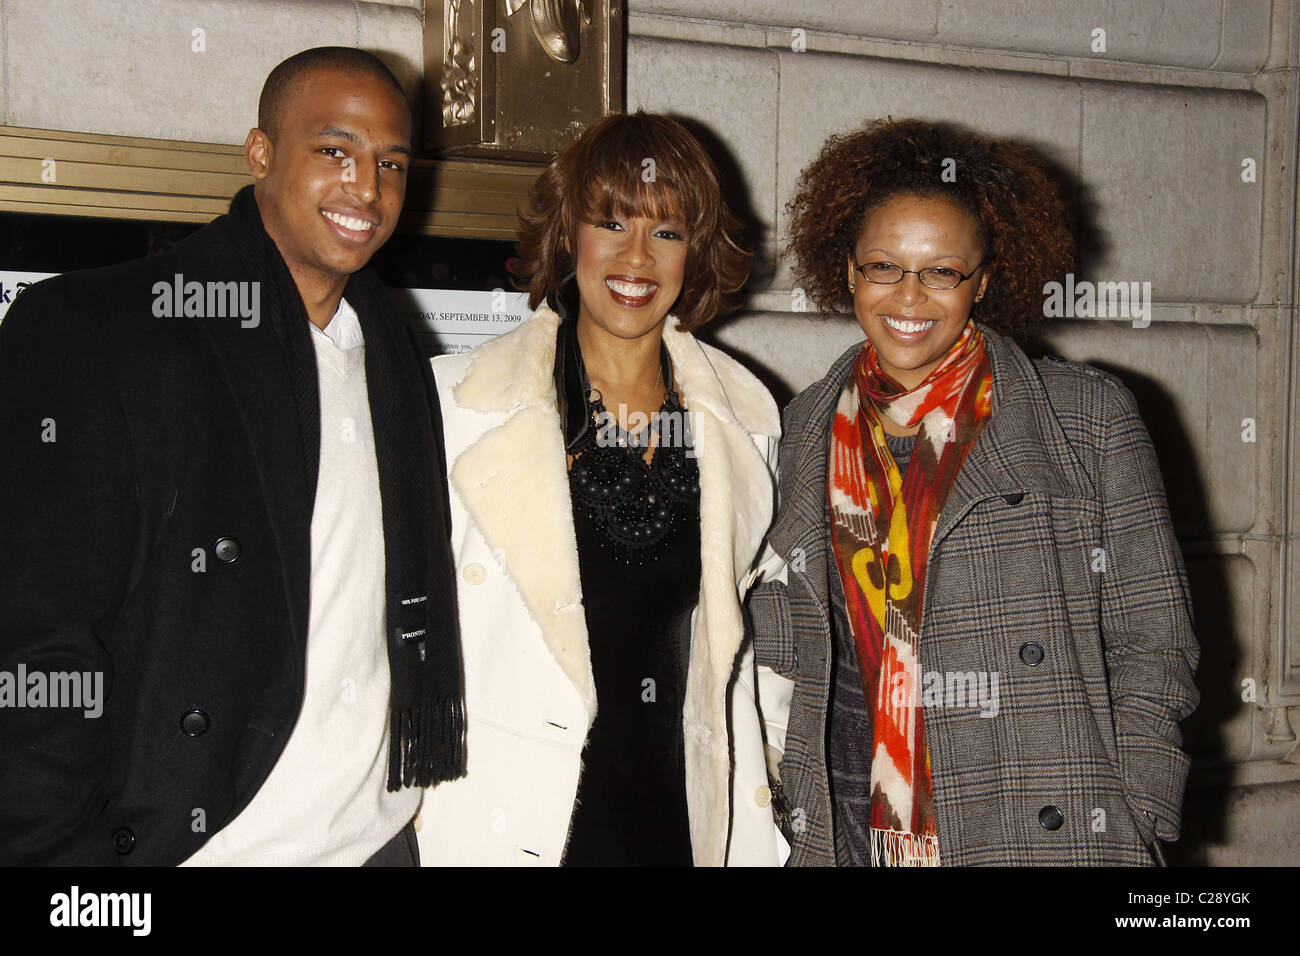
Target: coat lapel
x: 1021, y: 450
x: 736, y: 503
x: 253, y: 364
x: 736, y: 490
x: 515, y: 484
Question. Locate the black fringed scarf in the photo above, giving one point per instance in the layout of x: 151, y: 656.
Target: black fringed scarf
x: 427, y: 717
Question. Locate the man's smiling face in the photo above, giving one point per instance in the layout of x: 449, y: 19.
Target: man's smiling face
x: 331, y: 175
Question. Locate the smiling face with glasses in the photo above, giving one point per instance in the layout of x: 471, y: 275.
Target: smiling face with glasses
x: 917, y: 268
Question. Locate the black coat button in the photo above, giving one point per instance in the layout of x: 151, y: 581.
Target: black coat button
x: 1031, y: 653
x: 194, y: 722
x: 123, y: 840
x: 1051, y: 817
x: 1013, y: 499
x: 226, y: 549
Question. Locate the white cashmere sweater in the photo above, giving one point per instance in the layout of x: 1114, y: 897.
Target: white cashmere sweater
x: 325, y: 802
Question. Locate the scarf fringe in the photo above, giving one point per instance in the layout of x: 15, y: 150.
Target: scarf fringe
x: 896, y: 848
x: 428, y: 744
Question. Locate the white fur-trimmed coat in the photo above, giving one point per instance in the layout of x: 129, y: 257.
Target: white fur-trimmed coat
x: 530, y: 695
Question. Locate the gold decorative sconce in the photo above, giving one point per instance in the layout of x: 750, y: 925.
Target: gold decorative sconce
x: 518, y: 79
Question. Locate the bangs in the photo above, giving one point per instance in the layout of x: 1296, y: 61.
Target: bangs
x: 647, y: 169
x: 627, y: 195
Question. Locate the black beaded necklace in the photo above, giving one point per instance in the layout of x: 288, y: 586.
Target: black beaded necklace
x: 634, y: 506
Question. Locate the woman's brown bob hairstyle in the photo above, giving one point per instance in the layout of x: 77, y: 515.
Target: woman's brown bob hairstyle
x: 1004, y: 186
x: 639, y: 164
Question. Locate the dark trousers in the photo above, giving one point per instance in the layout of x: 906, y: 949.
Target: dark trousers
x: 401, y: 850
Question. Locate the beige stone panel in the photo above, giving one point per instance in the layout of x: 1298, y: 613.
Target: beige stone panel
x: 80, y: 66
x: 1200, y: 34
x: 788, y: 351
x: 823, y: 94
x: 1246, y: 27
x: 1289, y: 664
x: 1240, y: 826
x: 1163, y: 167
x: 395, y: 33
x: 729, y: 96
x: 1166, y: 32
x: 1237, y: 467
x: 4, y: 64
x: 892, y: 19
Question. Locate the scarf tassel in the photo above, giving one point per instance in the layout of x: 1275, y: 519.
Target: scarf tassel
x: 428, y: 744
x: 895, y: 848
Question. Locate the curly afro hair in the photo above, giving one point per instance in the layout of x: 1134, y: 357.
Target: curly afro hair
x: 1023, y: 224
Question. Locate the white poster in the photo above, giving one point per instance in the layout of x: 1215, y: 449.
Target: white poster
x: 458, y: 321
x: 12, y: 285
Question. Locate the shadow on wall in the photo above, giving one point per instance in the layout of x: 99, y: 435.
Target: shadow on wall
x: 735, y: 191
x: 764, y: 372
x: 755, y: 236
x: 1213, y: 612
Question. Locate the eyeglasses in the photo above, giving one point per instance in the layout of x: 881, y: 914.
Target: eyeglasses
x: 936, y: 277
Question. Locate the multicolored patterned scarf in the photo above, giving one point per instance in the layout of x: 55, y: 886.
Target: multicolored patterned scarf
x: 868, y: 496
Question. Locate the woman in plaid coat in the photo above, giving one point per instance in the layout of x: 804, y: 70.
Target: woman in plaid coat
x: 973, y: 582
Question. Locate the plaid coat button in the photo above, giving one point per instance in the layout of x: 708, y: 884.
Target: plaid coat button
x: 1051, y: 817
x: 1031, y: 653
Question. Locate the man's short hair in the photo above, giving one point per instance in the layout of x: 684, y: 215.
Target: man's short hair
x: 343, y: 59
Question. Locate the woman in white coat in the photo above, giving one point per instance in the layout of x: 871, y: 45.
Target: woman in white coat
x: 611, y: 482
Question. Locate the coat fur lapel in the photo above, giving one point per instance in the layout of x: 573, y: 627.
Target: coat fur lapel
x: 736, y: 503
x: 736, y: 490
x: 515, y: 484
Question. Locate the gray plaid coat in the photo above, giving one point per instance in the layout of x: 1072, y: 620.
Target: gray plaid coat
x: 1056, y: 533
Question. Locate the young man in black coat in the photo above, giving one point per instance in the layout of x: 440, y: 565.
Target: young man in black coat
x: 227, y: 610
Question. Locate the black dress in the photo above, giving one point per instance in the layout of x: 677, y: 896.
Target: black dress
x: 640, y: 569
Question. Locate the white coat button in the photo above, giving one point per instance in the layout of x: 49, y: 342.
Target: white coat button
x: 475, y: 573
x: 763, y: 796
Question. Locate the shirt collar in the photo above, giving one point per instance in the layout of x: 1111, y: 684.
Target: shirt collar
x: 344, y: 327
